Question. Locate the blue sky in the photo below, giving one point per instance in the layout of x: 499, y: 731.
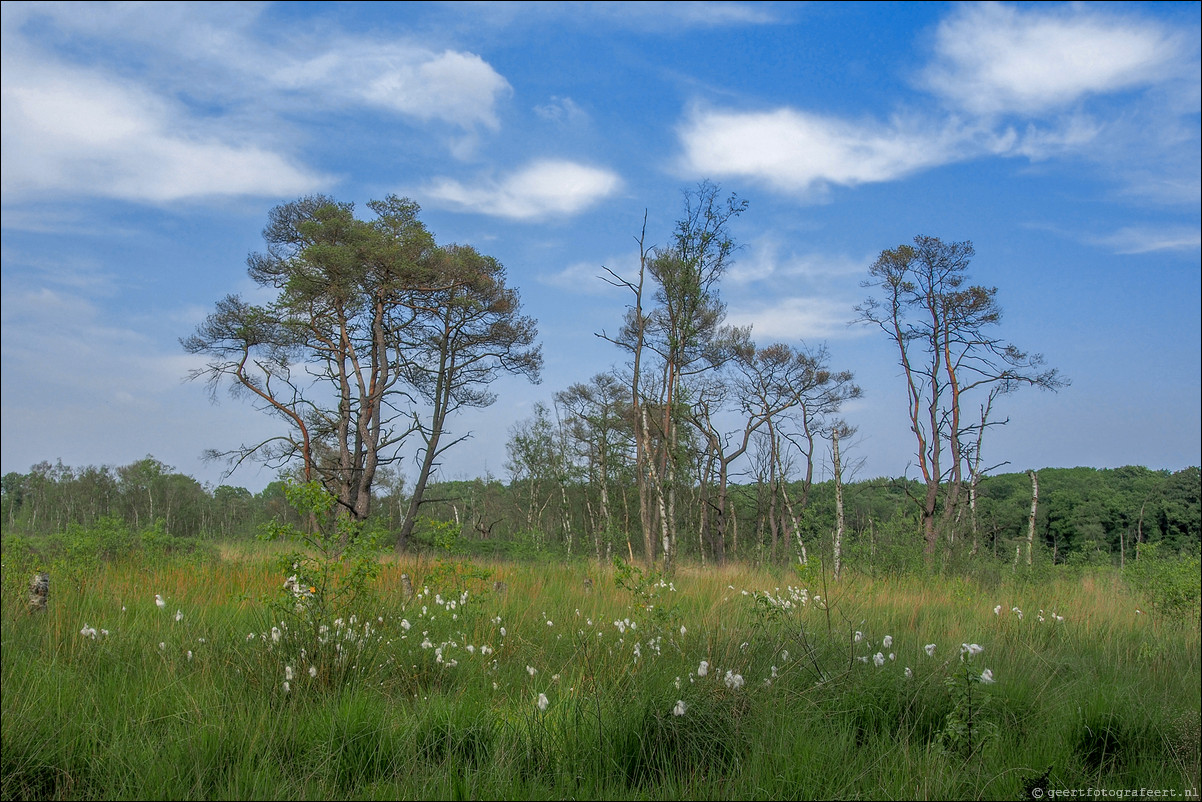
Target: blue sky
x: 143, y: 146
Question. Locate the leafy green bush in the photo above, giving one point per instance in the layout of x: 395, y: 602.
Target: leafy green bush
x: 1169, y: 583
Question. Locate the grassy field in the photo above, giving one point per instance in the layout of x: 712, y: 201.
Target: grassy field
x: 509, y: 681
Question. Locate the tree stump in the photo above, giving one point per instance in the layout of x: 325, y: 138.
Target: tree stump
x: 39, y: 592
x: 406, y: 587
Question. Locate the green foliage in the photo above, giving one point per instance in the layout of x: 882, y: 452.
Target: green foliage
x: 1169, y: 583
x: 646, y: 595
x: 967, y: 727
x: 328, y: 585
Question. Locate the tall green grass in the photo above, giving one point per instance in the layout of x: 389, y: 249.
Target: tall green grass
x: 421, y: 698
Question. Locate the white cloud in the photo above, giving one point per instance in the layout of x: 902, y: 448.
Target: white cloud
x: 186, y: 100
x: 451, y: 86
x: 995, y: 59
x: 800, y: 152
x: 793, y: 318
x: 541, y: 189
x: 72, y: 131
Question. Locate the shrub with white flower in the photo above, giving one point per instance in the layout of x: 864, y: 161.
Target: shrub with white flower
x: 970, y: 649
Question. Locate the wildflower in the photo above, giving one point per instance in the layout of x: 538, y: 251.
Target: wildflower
x: 680, y: 708
x: 863, y: 659
x: 189, y: 654
x: 312, y: 671
x: 162, y: 646
x: 555, y: 678
x: 550, y: 623
x: 287, y: 672
x: 542, y: 701
x: 531, y: 670
x: 682, y: 629
x: 426, y: 644
x: 878, y: 659
x: 287, y: 686
x: 275, y: 634
x: 250, y: 636
x: 733, y: 681
x: 88, y: 632
x: 987, y: 677
x: 405, y: 625
x: 1017, y: 612
x: 677, y: 683
x: 970, y: 649
x: 179, y: 615
x: 105, y: 633
x: 703, y: 669
x: 997, y: 610
x: 892, y: 656
x: 859, y: 636
x: 930, y: 649
x: 159, y: 601
x: 909, y: 673
x: 471, y: 649
x: 503, y: 632
x: 784, y: 655
x: 888, y: 641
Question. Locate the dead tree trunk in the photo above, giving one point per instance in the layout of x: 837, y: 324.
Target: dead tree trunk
x: 1034, y: 509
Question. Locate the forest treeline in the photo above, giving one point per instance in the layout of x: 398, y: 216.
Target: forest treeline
x: 698, y: 444
x: 1084, y: 515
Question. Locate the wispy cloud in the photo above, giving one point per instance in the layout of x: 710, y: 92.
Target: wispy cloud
x: 997, y: 59
x: 1148, y: 239
x: 214, y: 97
x: 1056, y: 70
x: 802, y: 152
x: 562, y: 111
x: 72, y: 131
x: 539, y: 190
x: 450, y: 86
x: 794, y: 318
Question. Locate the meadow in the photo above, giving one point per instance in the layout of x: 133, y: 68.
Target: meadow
x: 579, y: 681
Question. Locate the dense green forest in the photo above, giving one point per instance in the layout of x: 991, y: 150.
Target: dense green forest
x: 1084, y: 515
